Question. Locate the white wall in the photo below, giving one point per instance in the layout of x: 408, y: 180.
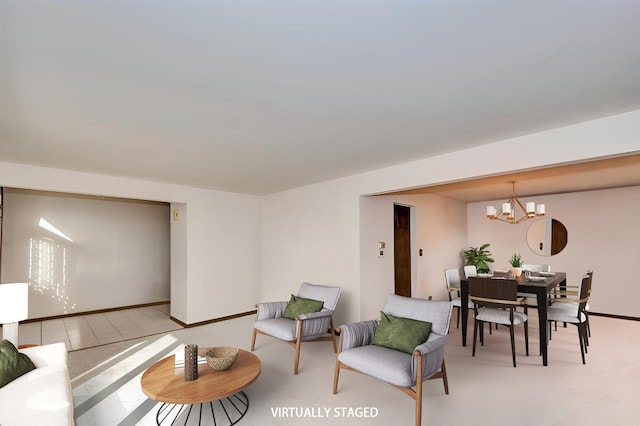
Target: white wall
x: 217, y: 261
x: 441, y: 232
x: 116, y: 252
x: 603, y: 234
x: 312, y: 233
x: 223, y: 255
x: 179, y: 255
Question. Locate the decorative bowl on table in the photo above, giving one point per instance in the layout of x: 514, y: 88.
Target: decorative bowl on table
x: 221, y: 358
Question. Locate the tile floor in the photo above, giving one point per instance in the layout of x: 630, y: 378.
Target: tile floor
x: 86, y: 331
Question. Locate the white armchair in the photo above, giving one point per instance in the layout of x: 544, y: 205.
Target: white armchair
x: 400, y: 369
x: 314, y: 326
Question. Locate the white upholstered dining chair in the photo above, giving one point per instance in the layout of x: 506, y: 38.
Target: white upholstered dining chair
x: 470, y: 271
x: 572, y: 310
x: 533, y: 268
x: 452, y: 278
x: 495, y: 301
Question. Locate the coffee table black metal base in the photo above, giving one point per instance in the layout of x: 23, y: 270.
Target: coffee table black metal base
x: 221, y: 411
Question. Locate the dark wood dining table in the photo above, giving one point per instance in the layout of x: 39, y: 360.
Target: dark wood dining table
x: 540, y: 288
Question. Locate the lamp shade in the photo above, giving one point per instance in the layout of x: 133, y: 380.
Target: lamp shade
x: 14, y: 302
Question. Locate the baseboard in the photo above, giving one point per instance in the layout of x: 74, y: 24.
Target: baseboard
x: 214, y: 320
x: 598, y: 314
x: 98, y: 311
x: 622, y: 317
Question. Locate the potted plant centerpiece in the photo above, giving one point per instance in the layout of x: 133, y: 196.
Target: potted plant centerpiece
x: 516, y: 264
x: 479, y: 257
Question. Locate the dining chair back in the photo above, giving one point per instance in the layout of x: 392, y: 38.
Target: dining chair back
x: 535, y: 267
x: 452, y: 278
x: 586, y: 308
x: 495, y: 301
x: 470, y: 271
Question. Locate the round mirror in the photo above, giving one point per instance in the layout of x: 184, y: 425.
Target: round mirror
x: 547, y: 237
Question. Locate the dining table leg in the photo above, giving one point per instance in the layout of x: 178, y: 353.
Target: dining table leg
x: 464, y: 307
x: 541, y: 297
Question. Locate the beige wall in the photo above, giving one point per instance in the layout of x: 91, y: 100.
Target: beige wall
x: 313, y: 233
x: 603, y: 235
x: 440, y: 228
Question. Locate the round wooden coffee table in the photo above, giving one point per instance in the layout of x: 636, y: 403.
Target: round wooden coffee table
x: 217, y: 393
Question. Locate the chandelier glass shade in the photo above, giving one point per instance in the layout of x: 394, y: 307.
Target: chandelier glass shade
x: 513, y: 208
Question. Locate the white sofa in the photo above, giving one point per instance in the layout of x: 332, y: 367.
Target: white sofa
x: 42, y: 396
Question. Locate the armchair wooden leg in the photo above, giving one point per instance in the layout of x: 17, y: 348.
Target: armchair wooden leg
x: 444, y: 378
x: 336, y: 377
x: 298, y: 341
x: 418, y: 395
x: 333, y: 338
x: 253, y: 340
x: 336, y: 374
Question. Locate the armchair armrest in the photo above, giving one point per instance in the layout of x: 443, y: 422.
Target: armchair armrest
x: 269, y: 310
x: 312, y: 315
x: 433, y: 343
x: 46, y: 355
x: 314, y: 323
x: 431, y: 353
x: 357, y: 334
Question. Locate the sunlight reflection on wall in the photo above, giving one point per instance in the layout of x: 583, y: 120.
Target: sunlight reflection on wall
x: 48, y: 267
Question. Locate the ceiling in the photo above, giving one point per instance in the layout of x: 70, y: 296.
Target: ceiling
x: 255, y: 96
x: 607, y: 173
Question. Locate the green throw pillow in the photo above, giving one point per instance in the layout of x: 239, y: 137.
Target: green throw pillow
x: 13, y: 364
x: 299, y: 305
x: 402, y: 334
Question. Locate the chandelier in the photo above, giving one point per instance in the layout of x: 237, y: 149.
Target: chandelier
x: 508, y: 212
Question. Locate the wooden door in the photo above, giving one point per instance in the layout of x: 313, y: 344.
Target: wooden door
x: 402, y: 250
